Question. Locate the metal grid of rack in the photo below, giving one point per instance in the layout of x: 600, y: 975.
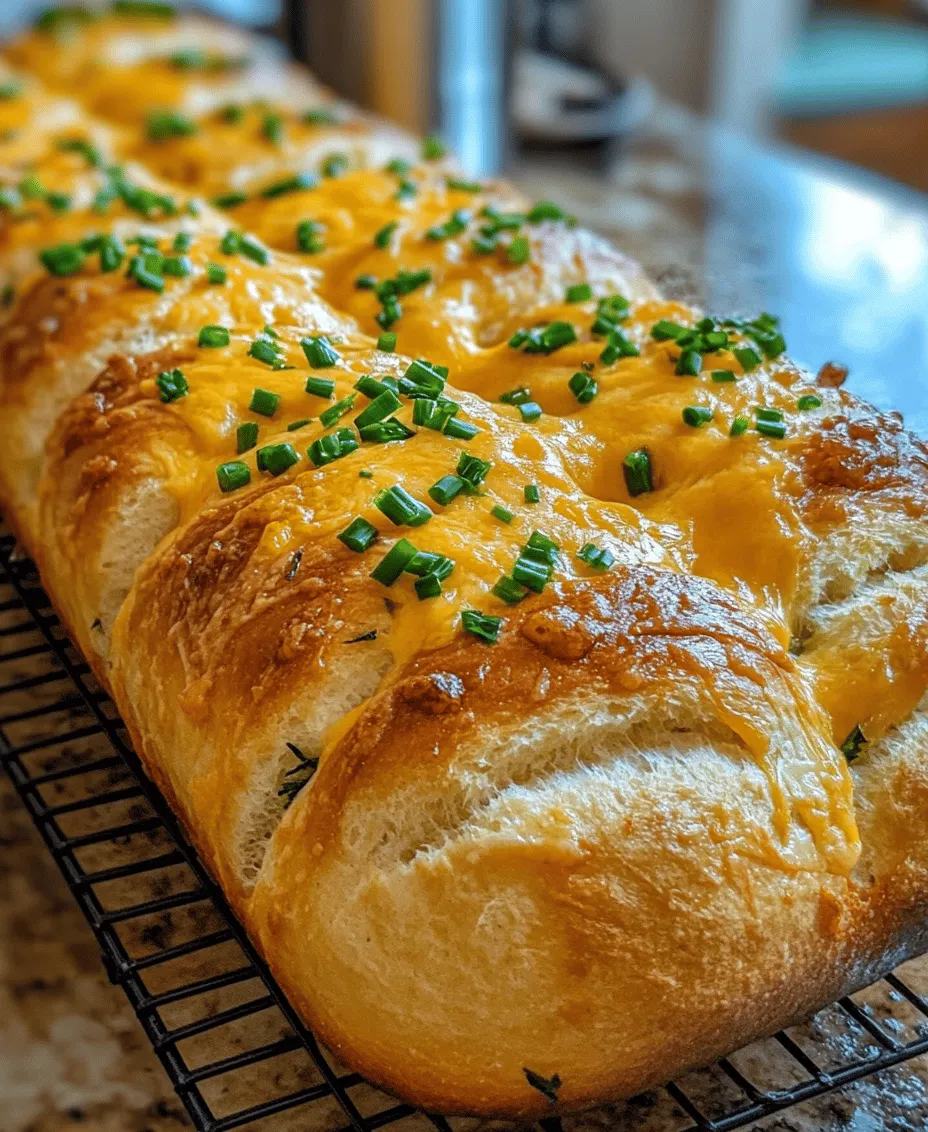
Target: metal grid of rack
x: 233, y: 1048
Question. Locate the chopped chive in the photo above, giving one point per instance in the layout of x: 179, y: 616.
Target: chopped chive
x: 765, y: 414
x: 460, y: 430
x: 160, y: 125
x: 213, y: 337
x: 320, y: 116
x: 383, y: 432
x: 696, y: 415
x: 689, y: 363
x: 386, y: 343
x: 809, y: 401
x: 263, y: 401
x: 597, y: 559
x: 548, y: 339
x: 618, y: 346
x: 182, y: 242
x: 403, y: 283
x: 483, y: 245
x: 519, y: 251
x: 428, y: 586
x: 458, y: 222
x: 321, y: 387
x: 426, y: 380
x: 378, y: 409
x: 370, y: 386
x: 665, y: 330
x: 509, y: 590
x: 366, y: 282
x: 532, y: 494
x: 723, y: 375
x: 309, y: 237
x: 578, y: 293
x: 445, y: 489
x: 366, y: 474
x: 774, y: 429
x: 401, y: 508
x: 500, y: 221
x: 216, y: 274
x: 172, y: 385
x: 456, y: 184
x: 332, y: 447
x: 472, y: 470
x: 178, y: 266
x: 382, y: 236
x: 481, y: 625
x: 319, y: 351
x: 63, y: 259
x: 517, y: 396
x: 530, y: 572
x: 359, y: 535
x: 272, y: 127
x: 433, y: 148
x: 334, y: 413
x: 254, y: 250
x: 500, y: 512
x: 426, y: 562
x: 264, y: 350
x: 231, y: 243
x: 739, y: 426
x: 233, y: 475
x: 31, y: 188
x: 394, y: 562
x: 9, y: 90
x: 58, y: 202
x: 145, y: 270
x: 398, y: 166
x: 86, y: 149
x: 434, y: 414
x: 233, y: 113
x: 391, y: 312
x: 636, y: 467
x: 541, y: 546
x: 611, y: 311
x: 584, y: 387
x: 529, y: 411
x: 334, y: 165
x: 546, y: 210
x: 229, y: 200
x: 276, y: 458
x: 246, y: 436
x: 294, y: 425
x: 715, y: 340
x: 293, y: 184
x: 748, y: 358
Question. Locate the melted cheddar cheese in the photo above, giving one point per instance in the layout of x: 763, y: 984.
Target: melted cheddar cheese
x: 467, y: 277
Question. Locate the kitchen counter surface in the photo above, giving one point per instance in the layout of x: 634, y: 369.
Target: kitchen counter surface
x: 844, y: 259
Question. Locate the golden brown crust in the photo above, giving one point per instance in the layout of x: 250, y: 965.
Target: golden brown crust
x: 574, y: 846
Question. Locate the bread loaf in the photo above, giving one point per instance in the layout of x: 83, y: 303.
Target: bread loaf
x: 539, y: 665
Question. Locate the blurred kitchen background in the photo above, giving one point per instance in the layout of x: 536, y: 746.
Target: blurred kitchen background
x: 755, y: 154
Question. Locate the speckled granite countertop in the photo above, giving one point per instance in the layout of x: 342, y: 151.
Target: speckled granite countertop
x: 845, y: 261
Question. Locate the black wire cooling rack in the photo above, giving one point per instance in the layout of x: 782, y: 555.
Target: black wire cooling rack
x: 233, y: 1048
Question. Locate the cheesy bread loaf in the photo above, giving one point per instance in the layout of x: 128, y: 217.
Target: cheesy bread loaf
x: 539, y: 665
